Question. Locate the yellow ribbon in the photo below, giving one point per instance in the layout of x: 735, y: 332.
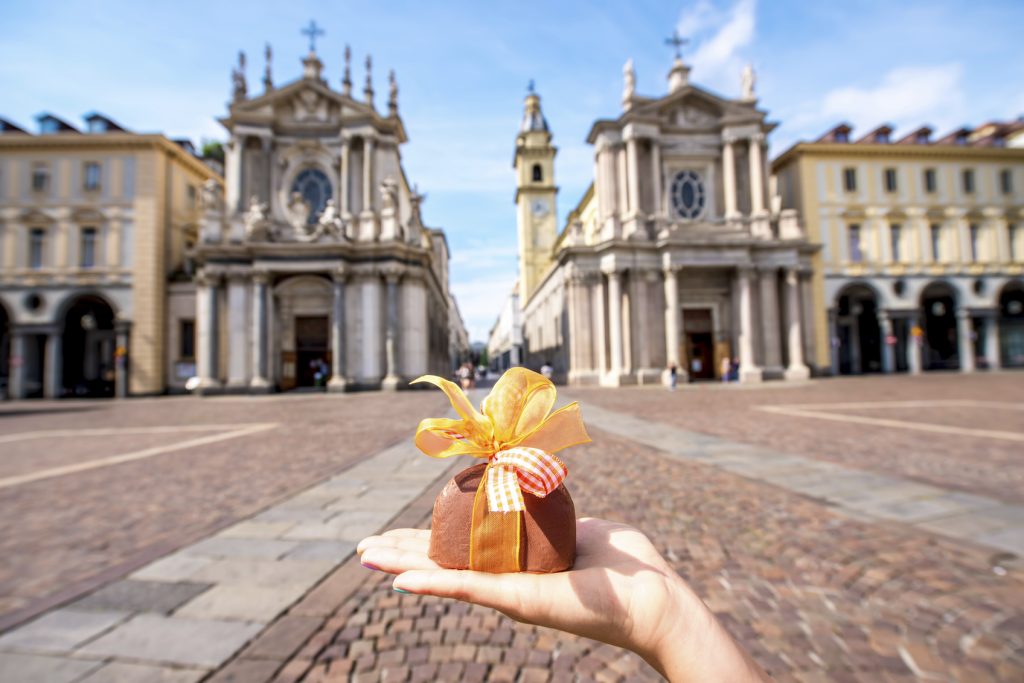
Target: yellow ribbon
x: 515, y: 414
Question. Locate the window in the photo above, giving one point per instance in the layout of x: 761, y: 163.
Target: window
x: 88, y: 248
x: 856, y: 255
x: 850, y: 179
x: 538, y: 173
x: 929, y: 180
x: 688, y: 194
x: 187, y: 340
x: 968, y: 178
x: 36, y: 243
x: 92, y: 176
x: 1006, y: 181
x: 40, y: 178
x: 974, y: 233
x: 190, y: 193
x: 890, y: 180
x: 936, y: 235
x: 896, y: 242
x: 315, y: 188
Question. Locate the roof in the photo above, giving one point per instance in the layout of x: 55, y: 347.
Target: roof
x: 7, y: 127
x: 879, y: 136
x: 99, y: 123
x: 58, y: 125
x: 533, y: 117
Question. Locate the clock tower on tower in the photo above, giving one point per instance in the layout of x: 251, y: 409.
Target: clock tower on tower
x: 536, y: 210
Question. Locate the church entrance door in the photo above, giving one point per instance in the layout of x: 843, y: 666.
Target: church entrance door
x: 312, y: 358
x: 700, y: 346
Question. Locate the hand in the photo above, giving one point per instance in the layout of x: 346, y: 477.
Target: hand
x: 620, y: 591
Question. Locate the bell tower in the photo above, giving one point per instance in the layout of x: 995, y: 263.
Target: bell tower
x: 536, y: 209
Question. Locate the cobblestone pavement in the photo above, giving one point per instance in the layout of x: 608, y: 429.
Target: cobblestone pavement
x: 813, y: 594
x: 970, y: 463
x: 70, y: 532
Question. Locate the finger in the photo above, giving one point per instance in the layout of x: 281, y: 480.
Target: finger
x: 503, y: 592
x: 396, y: 560
x: 408, y: 533
x: 421, y: 545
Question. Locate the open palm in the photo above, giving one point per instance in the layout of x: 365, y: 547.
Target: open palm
x: 620, y: 591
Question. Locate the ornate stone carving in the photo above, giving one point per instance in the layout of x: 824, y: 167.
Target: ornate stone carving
x: 331, y: 222
x: 256, y: 221
x: 747, y: 82
x: 212, y: 198
x: 694, y: 117
x: 629, y: 83
x: 238, y: 86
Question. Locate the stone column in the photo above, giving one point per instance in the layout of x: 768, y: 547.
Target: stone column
x: 965, y: 342
x: 122, y: 357
x: 770, y: 320
x: 16, y: 362
x: 797, y: 369
x: 344, y: 201
x: 833, y: 337
x: 206, y: 332
x: 572, y: 287
x: 672, y: 317
x: 888, y: 350
x: 729, y: 179
x: 260, y: 333
x: 756, y: 175
x: 749, y: 372
x: 52, y: 365
x: 913, y: 346
x: 656, y: 178
x: 600, y: 331
x: 633, y: 175
x: 338, y: 383
x: 992, y: 341
x: 368, y: 153
x: 237, y: 346
x: 391, y: 376
x: 615, y: 323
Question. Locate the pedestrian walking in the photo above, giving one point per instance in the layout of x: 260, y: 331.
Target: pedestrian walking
x: 725, y: 367
x: 673, y: 376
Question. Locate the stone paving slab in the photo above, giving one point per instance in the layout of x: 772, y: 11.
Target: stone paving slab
x: 266, y: 573
x: 243, y: 602
x: 122, y: 672
x: 177, y: 567
x: 864, y: 494
x: 61, y: 630
x: 141, y: 596
x: 17, y: 668
x: 173, y: 640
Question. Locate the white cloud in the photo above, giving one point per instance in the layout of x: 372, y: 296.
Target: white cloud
x: 907, y: 96
x: 717, y: 60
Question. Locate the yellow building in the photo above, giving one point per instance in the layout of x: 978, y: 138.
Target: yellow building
x: 94, y: 224
x: 923, y: 246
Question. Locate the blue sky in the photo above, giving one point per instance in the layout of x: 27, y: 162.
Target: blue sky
x: 462, y: 70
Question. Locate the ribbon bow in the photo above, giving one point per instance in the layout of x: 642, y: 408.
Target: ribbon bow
x: 513, y: 430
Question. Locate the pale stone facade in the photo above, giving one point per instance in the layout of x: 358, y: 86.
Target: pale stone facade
x: 673, y: 256
x: 505, y: 341
x: 315, y: 268
x: 93, y: 224
x: 922, y: 265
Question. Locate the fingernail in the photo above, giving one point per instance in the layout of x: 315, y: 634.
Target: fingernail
x: 371, y: 566
x: 399, y: 590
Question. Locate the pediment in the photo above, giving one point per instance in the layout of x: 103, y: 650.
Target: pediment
x: 692, y: 107
x: 35, y: 217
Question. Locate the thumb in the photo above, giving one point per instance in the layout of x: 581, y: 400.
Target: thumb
x: 481, y: 588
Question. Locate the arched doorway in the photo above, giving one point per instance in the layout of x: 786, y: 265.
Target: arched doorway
x: 87, y: 348
x: 5, y: 352
x: 860, y: 347
x: 941, y: 348
x: 302, y: 307
x: 1011, y: 325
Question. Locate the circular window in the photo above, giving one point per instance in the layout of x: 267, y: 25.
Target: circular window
x: 688, y: 194
x: 33, y: 302
x: 315, y: 188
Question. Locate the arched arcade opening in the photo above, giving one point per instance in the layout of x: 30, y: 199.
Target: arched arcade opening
x: 88, y: 343
x: 941, y: 344
x: 860, y: 343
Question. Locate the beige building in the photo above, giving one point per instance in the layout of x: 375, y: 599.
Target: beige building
x: 315, y: 267
x: 923, y: 246
x: 94, y: 224
x: 674, y: 256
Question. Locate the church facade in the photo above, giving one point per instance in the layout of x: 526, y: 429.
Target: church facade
x: 314, y: 266
x: 674, y: 256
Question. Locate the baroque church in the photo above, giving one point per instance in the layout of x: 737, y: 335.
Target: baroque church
x: 313, y: 265
x: 675, y: 256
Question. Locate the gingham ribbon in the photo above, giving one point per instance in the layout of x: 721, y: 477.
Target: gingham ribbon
x: 512, y: 471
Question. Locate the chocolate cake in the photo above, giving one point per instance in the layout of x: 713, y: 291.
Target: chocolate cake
x: 548, y: 533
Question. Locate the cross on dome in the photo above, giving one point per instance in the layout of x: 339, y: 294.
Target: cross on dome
x: 312, y: 31
x: 677, y: 42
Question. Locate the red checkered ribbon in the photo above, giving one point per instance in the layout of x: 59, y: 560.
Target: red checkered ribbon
x: 511, y: 471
